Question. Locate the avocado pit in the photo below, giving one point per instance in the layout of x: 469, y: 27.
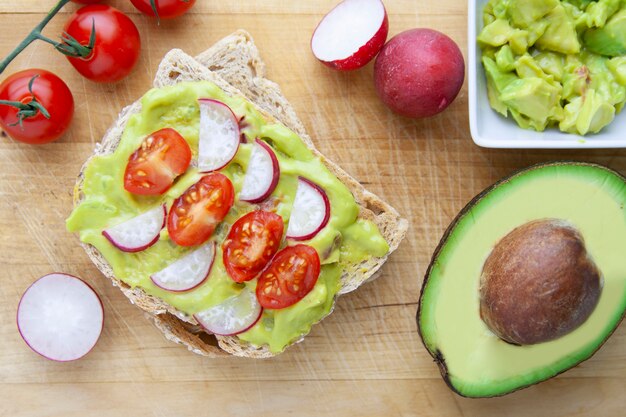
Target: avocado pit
x: 539, y: 283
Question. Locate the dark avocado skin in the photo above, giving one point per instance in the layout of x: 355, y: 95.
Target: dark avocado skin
x: 437, y: 355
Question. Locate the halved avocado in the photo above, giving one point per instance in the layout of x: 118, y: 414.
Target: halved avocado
x: 473, y: 361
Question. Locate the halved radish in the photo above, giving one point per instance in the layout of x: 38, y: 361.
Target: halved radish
x: 351, y: 34
x: 310, y: 211
x: 233, y: 316
x: 188, y: 272
x: 262, y: 174
x: 219, y: 135
x: 60, y: 317
x: 138, y: 233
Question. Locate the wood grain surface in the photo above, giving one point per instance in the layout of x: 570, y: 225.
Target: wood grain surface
x: 364, y: 360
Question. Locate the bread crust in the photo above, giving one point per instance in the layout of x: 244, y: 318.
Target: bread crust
x: 235, y: 66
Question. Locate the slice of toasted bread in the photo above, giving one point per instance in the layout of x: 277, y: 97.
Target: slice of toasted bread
x: 235, y: 66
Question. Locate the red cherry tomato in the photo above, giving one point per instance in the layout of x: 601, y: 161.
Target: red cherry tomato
x: 167, y: 9
x: 51, y: 92
x: 87, y: 1
x: 290, y: 276
x: 153, y: 167
x: 117, y: 46
x: 251, y: 243
x: 195, y: 214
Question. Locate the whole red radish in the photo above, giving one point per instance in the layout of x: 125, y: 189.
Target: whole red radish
x: 351, y: 34
x: 419, y: 73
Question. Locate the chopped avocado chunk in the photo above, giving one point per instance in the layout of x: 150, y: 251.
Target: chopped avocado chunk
x: 497, y: 81
x: 597, y: 12
x: 525, y: 12
x: 536, y: 30
x: 472, y: 359
x: 532, y: 97
x: 588, y: 113
x: 505, y: 58
x: 609, y: 40
x: 560, y: 35
x: 496, y: 33
x: 551, y: 63
x: 519, y: 41
x: 617, y: 66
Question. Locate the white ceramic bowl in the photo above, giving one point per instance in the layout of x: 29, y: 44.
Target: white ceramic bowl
x: 491, y: 130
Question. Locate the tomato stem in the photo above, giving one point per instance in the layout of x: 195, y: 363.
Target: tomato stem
x: 68, y: 45
x: 30, y: 109
x: 155, y: 10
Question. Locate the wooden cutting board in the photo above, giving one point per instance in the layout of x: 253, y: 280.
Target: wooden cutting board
x: 364, y: 360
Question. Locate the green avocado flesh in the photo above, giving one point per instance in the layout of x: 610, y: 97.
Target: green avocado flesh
x: 346, y: 240
x: 556, y: 63
x: 475, y: 362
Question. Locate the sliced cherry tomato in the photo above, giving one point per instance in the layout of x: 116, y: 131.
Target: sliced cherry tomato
x: 290, y: 276
x: 195, y: 214
x: 50, y: 92
x: 117, y: 46
x: 251, y: 243
x: 153, y: 167
x: 167, y: 9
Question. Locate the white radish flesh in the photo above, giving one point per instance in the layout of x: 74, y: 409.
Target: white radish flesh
x: 138, y: 233
x: 310, y: 211
x: 188, y: 272
x: 351, y: 34
x: 60, y: 317
x: 262, y: 174
x: 219, y: 135
x: 233, y: 316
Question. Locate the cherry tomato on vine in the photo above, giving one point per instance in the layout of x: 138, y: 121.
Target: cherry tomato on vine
x: 166, y: 9
x: 117, y: 44
x: 87, y: 1
x: 48, y: 91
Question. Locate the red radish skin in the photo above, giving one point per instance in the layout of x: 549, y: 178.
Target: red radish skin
x: 199, y: 282
x: 419, y: 73
x: 320, y: 44
x: 235, y: 121
x: 25, y: 336
x: 326, y: 218
x: 275, y: 174
x: 138, y: 248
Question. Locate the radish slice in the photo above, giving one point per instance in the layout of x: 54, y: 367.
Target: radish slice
x: 60, y: 317
x: 233, y: 316
x: 262, y: 174
x: 310, y: 212
x: 219, y: 135
x: 188, y: 272
x: 351, y: 34
x: 138, y: 233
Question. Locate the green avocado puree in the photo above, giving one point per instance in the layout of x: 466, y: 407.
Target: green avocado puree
x: 345, y: 240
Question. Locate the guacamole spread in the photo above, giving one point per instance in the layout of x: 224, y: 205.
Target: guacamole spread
x: 345, y: 240
x: 553, y: 63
